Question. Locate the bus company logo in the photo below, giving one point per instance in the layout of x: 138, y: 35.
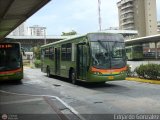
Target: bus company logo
x: 4, y: 117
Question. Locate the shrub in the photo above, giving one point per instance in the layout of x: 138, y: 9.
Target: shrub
x: 37, y: 63
x: 152, y: 71
x: 129, y: 72
x: 149, y: 71
x: 140, y: 71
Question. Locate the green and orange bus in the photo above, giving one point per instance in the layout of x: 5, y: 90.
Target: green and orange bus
x: 134, y: 52
x: 11, y: 67
x: 93, y: 57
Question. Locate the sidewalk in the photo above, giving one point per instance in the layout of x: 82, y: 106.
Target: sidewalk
x: 27, y: 107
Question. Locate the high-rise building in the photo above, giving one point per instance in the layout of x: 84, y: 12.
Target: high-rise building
x: 138, y: 15
x: 37, y: 30
x: 20, y: 30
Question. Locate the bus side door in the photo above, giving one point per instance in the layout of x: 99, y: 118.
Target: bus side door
x: 81, y: 61
x: 57, y: 61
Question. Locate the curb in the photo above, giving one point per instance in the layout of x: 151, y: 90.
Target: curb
x: 143, y: 80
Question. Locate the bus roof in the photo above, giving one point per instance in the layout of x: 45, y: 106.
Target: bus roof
x: 71, y: 38
x: 79, y: 36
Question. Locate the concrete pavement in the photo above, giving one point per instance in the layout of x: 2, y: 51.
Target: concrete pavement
x: 30, y: 107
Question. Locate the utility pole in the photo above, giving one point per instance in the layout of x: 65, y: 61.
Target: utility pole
x: 99, y: 15
x: 44, y: 30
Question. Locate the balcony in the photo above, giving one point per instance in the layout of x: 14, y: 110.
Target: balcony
x: 128, y: 22
x: 126, y: 1
x: 128, y: 27
x: 127, y: 6
x: 127, y: 11
x: 127, y: 17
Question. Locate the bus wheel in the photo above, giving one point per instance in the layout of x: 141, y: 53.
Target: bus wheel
x: 48, y: 72
x: 18, y: 81
x: 73, y: 77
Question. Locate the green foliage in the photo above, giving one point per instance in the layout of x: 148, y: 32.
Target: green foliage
x: 37, y: 63
x: 129, y: 72
x: 36, y: 51
x: 141, y: 71
x: 149, y: 71
x: 69, y: 33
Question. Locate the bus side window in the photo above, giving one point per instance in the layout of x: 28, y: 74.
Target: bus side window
x: 51, y: 53
x: 46, y: 52
x: 69, y: 51
x: 63, y: 52
x: 66, y: 52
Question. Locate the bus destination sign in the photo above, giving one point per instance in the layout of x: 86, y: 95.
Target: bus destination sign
x: 5, y: 46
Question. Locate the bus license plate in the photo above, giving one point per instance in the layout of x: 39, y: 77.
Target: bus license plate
x: 111, y: 77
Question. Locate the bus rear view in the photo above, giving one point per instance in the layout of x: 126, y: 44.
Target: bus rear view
x: 11, y: 67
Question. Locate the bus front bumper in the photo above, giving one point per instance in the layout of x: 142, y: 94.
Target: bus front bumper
x: 103, y: 78
x: 15, y: 76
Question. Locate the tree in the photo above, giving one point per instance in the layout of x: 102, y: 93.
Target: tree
x: 36, y: 52
x: 69, y: 33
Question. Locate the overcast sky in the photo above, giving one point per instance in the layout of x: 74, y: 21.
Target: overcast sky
x: 79, y: 15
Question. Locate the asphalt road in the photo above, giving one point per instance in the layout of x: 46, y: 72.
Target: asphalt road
x: 90, y: 101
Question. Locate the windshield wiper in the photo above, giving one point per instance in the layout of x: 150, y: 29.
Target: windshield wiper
x: 100, y: 42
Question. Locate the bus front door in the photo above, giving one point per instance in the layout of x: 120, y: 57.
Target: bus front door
x: 81, y: 62
x: 57, y: 61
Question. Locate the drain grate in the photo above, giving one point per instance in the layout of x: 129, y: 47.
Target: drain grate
x: 98, y: 102
x: 56, y: 85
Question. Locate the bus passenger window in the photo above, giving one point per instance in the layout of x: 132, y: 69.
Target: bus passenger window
x: 66, y: 52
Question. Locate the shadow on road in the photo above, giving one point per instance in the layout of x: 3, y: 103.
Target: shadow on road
x: 108, y: 87
x: 11, y: 82
x: 111, y: 87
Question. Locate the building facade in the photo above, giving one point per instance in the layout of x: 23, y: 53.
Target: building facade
x: 138, y: 15
x: 37, y: 30
x: 20, y: 30
x: 158, y: 27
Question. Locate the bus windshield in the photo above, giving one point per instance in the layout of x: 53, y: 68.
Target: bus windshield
x: 108, y: 54
x: 9, y: 57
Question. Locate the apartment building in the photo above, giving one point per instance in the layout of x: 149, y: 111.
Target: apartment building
x: 37, y: 30
x: 21, y: 30
x: 138, y: 15
x: 158, y: 27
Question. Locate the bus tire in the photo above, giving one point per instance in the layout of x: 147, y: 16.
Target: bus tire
x: 48, y: 72
x: 73, y: 77
x: 18, y: 81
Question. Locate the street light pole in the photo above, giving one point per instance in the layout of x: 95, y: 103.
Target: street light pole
x: 44, y: 28
x: 99, y: 14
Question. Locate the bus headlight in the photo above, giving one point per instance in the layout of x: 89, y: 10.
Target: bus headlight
x: 97, y: 73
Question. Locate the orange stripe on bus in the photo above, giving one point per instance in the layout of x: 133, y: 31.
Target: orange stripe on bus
x: 104, y: 71
x: 11, y: 71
